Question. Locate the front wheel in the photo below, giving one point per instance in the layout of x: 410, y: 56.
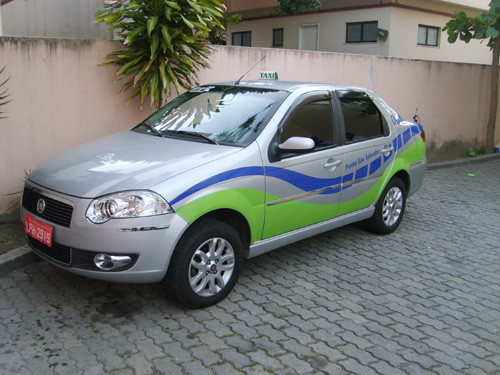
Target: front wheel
x: 390, y: 208
x: 205, y: 265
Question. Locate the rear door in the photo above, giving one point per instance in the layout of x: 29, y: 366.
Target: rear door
x: 368, y: 152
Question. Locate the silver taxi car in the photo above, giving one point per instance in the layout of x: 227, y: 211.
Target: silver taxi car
x: 224, y: 172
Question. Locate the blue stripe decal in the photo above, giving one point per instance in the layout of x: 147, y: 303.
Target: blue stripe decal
x: 362, y: 172
x: 299, y: 180
x: 406, y: 136
x: 224, y: 176
x: 375, y: 165
x: 302, y: 181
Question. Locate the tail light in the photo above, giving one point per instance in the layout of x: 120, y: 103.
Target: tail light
x: 422, y: 135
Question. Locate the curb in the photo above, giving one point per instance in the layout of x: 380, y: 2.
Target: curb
x: 463, y: 161
x: 16, y: 259
x: 23, y: 256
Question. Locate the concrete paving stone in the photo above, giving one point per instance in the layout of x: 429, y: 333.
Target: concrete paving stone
x: 297, y: 334
x: 333, y: 341
x: 186, y: 339
x: 294, y: 365
x: 270, y: 347
x: 158, y: 335
x: 244, y: 346
x: 245, y: 331
x: 354, y: 367
x: 176, y: 352
x: 385, y: 368
x: 401, y: 319
x: 300, y: 350
x: 139, y: 365
x: 486, y: 365
x: 273, y: 334
x: 417, y: 345
x: 168, y: 366
x: 454, y: 362
x: 387, y: 355
x: 425, y: 361
x: 447, y: 370
x: 213, y: 342
x: 425, y: 299
x: 231, y: 355
x: 270, y: 363
x: 361, y: 355
x: 197, y: 368
x: 305, y: 325
x: 206, y: 355
x: 360, y: 342
x: 97, y: 369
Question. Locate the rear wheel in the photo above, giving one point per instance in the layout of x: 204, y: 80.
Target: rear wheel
x: 390, y: 208
x: 205, y: 265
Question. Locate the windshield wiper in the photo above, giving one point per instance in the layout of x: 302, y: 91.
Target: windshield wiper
x: 195, y: 134
x: 149, y: 127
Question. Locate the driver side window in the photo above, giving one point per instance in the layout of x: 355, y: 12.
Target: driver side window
x: 312, y: 119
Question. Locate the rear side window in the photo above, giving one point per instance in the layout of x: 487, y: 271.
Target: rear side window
x: 362, y: 118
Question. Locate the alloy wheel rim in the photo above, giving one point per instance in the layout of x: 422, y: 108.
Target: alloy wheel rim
x: 392, y: 206
x: 211, y: 267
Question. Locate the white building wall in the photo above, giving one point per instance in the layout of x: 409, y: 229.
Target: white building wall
x: 402, y: 24
x: 403, y: 40
x: 53, y: 18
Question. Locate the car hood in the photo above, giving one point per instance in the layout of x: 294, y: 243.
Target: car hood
x: 124, y: 161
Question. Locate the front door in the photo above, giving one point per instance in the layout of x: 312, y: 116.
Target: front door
x: 304, y: 188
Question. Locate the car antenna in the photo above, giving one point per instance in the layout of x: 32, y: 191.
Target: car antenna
x: 249, y: 70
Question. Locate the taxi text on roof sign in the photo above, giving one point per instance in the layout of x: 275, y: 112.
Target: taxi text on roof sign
x: 268, y: 75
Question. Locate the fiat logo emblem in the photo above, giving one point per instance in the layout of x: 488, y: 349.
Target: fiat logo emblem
x: 40, y: 206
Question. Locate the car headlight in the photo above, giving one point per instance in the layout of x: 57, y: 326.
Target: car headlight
x: 127, y: 204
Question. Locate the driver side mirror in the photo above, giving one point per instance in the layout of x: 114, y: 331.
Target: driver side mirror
x: 297, y: 144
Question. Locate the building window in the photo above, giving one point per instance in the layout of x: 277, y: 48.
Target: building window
x: 278, y: 37
x: 428, y: 35
x: 242, y: 38
x: 361, y: 32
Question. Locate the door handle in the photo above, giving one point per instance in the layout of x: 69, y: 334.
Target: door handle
x: 385, y: 151
x: 333, y: 164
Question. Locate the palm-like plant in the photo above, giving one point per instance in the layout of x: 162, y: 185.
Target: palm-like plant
x: 3, y: 94
x: 165, y: 43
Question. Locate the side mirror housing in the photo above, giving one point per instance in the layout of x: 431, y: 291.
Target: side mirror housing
x: 297, y: 144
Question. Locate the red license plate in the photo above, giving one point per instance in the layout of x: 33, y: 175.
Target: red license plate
x: 38, y: 230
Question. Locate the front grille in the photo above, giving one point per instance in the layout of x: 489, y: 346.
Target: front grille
x: 57, y: 251
x: 55, y: 211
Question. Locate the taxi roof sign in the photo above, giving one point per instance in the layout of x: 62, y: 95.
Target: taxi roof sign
x: 268, y: 75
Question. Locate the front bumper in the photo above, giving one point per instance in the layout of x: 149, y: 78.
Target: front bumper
x: 149, y: 241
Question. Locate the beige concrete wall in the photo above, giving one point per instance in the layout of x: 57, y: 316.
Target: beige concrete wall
x: 62, y: 98
x: 54, y: 18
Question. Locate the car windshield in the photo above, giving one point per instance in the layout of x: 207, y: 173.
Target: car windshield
x: 230, y: 115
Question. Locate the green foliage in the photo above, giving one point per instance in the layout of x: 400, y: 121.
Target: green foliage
x: 291, y: 7
x: 486, y: 25
x: 165, y: 43
x: 3, y: 94
x: 218, y: 35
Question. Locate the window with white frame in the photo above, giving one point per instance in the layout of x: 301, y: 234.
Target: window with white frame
x: 428, y: 36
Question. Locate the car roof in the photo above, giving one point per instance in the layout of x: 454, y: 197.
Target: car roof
x: 287, y: 85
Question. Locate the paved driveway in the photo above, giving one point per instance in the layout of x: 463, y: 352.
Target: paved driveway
x: 425, y: 299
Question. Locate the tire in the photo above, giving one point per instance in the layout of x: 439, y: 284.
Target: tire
x: 389, y: 209
x: 205, y: 265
